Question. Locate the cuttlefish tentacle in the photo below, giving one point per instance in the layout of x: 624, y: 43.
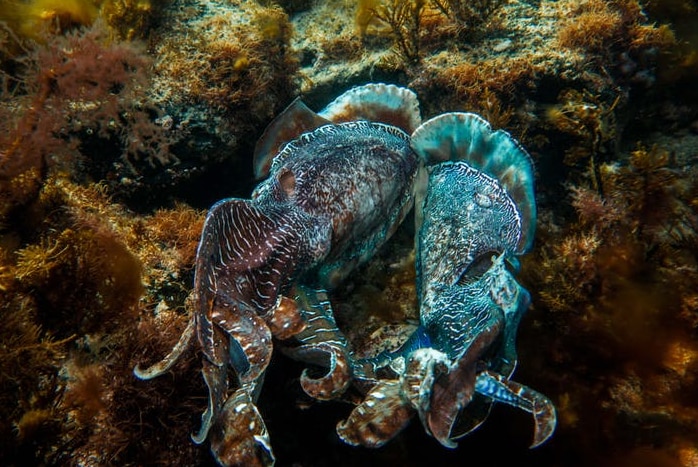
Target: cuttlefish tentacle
x: 422, y: 368
x: 215, y: 377
x: 475, y: 209
x: 338, y: 376
x: 512, y: 300
x: 391, y: 403
x: 287, y: 319
x: 246, y: 255
x: 454, y: 390
x: 382, y: 415
x: 336, y: 190
x: 217, y: 383
x: 239, y: 436
x: 250, y: 341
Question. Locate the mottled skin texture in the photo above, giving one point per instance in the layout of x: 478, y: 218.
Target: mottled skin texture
x: 461, y: 358
x: 467, y: 219
x: 356, y: 179
x: 333, y: 196
x: 331, y: 199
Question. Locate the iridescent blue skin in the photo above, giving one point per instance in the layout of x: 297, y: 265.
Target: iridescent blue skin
x: 475, y: 214
x: 470, y: 304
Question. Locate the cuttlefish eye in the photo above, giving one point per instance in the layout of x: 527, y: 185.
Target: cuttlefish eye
x: 483, y: 263
x: 287, y: 182
x: 478, y: 267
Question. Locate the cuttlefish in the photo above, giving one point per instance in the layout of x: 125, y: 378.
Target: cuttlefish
x: 336, y: 186
x: 475, y: 214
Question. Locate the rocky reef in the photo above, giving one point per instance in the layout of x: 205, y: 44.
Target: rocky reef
x: 122, y: 121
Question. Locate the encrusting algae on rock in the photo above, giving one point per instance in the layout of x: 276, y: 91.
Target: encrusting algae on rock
x: 122, y: 122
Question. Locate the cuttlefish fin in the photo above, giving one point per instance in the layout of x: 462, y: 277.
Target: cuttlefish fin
x: 385, y: 103
x: 293, y: 121
x: 468, y: 137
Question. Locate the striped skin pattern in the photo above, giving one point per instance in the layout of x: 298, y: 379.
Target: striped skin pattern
x: 333, y: 195
x: 338, y: 184
x: 321, y: 344
x: 475, y: 214
x: 328, y: 204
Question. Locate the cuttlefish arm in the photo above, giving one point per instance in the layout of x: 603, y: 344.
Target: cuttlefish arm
x: 453, y: 391
x: 164, y: 365
x: 506, y: 391
x: 239, y: 436
x: 320, y: 344
x: 379, y: 418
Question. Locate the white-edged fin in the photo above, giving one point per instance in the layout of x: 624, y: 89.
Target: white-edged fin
x: 470, y: 138
x: 377, y: 102
x: 295, y: 120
